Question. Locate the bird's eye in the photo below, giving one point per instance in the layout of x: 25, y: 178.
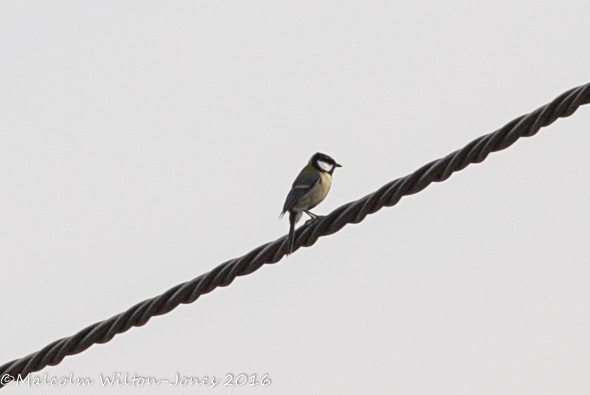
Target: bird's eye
x: 325, y: 166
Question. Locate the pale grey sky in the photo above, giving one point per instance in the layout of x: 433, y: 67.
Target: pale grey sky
x: 144, y: 143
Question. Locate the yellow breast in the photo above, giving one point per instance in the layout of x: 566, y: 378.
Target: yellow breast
x: 317, y: 194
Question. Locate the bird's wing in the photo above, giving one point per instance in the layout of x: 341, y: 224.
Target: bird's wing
x: 303, y: 184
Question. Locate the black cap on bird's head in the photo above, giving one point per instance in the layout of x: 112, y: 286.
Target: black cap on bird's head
x: 323, y: 162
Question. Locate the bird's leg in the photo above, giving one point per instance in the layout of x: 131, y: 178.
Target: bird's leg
x: 312, y: 215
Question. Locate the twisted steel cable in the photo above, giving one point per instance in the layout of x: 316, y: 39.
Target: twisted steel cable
x: 223, y: 275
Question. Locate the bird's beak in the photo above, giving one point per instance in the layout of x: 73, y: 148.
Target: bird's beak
x: 338, y: 165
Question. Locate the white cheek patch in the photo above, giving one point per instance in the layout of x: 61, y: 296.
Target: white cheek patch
x: 325, y: 166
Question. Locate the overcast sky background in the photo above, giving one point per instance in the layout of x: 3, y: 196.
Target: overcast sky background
x: 144, y: 143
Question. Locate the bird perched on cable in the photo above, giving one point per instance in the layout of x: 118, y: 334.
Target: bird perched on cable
x: 309, y: 189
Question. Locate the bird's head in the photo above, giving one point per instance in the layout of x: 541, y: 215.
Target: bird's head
x: 324, y: 163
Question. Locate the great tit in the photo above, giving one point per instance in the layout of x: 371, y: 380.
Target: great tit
x: 309, y: 189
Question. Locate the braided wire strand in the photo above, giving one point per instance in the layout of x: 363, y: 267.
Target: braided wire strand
x: 351, y: 213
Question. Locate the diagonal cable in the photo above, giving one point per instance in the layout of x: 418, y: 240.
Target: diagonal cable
x: 354, y: 212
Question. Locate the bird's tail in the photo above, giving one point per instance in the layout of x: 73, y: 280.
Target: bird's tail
x: 291, y: 237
